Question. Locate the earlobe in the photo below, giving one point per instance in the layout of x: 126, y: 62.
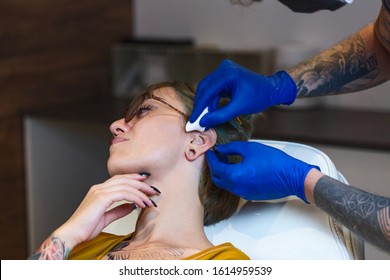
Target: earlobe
x: 200, y: 143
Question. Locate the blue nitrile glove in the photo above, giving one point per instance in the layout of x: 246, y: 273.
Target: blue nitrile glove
x: 248, y: 91
x: 264, y: 173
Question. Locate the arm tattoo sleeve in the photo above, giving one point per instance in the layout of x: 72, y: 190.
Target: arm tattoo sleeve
x: 366, y: 214
x: 52, y: 249
x: 335, y: 71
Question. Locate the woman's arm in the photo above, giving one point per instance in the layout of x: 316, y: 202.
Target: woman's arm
x: 92, y: 216
x: 359, y: 62
x: 53, y: 248
x: 364, y: 213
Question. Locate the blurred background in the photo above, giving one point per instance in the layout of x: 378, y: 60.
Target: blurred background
x: 68, y: 69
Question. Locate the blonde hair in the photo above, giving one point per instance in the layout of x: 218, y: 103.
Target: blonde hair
x: 218, y: 203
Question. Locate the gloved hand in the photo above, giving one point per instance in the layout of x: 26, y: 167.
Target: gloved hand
x: 264, y: 173
x: 248, y: 91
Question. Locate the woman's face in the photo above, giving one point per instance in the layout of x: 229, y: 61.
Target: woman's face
x: 153, y: 140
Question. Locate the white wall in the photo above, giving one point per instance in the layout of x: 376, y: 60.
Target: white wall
x: 218, y: 23
x: 269, y: 23
x: 63, y: 160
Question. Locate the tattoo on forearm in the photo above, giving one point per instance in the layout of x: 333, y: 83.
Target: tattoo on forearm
x: 334, y: 71
x: 52, y: 249
x: 364, y: 213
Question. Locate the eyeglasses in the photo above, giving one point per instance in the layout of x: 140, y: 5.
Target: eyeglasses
x: 136, y: 104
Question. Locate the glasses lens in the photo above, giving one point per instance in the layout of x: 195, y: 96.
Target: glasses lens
x: 136, y: 104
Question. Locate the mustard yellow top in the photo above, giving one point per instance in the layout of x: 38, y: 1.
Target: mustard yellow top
x: 98, y: 247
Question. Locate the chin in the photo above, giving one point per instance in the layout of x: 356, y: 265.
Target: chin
x: 111, y: 172
x: 130, y: 165
x: 116, y: 169
x: 112, y: 169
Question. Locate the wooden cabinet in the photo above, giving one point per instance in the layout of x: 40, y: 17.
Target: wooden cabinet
x: 51, y: 53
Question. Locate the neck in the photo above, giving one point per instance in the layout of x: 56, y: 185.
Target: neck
x: 178, y: 218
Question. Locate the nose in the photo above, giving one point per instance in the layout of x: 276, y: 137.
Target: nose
x: 119, y: 126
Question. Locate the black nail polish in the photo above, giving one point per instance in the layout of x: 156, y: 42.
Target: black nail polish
x: 134, y: 206
x: 145, y: 204
x: 154, y: 203
x: 155, y: 189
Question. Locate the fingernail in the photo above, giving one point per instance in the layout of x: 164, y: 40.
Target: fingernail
x: 154, y: 203
x: 155, y: 189
x: 145, y: 204
x: 134, y: 206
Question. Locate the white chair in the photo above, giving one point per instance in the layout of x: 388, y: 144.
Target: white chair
x: 289, y: 228
x: 281, y: 229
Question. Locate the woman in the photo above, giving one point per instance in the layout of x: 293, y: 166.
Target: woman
x: 157, y: 166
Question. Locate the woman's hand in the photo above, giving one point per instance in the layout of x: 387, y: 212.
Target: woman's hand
x: 92, y: 216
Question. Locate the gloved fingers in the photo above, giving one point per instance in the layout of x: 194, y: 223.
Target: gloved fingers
x: 220, y: 115
x: 217, y: 167
x: 218, y: 170
x: 232, y: 148
x: 209, y: 98
x: 208, y: 94
x: 201, y: 100
x: 203, y: 84
x: 211, y: 89
x: 217, y: 180
x: 264, y: 148
x: 221, y: 183
x: 220, y: 167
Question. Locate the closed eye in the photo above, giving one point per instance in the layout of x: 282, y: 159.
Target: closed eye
x: 143, y: 109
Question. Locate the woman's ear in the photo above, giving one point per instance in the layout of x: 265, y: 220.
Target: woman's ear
x: 200, y: 143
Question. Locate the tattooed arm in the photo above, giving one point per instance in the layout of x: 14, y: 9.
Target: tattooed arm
x: 357, y: 63
x: 364, y: 213
x: 52, y: 248
x: 94, y: 214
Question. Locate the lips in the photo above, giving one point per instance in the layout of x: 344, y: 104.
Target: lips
x: 117, y: 140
